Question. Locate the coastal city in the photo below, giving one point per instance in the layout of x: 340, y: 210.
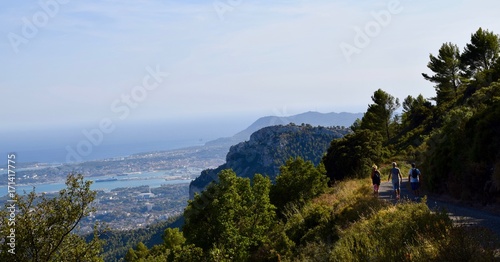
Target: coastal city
x: 132, y: 191
x: 136, y: 207
x: 202, y: 157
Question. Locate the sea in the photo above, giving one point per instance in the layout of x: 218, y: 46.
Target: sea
x: 52, y: 146
x: 56, y: 154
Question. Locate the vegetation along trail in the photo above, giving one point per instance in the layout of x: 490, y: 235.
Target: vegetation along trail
x: 459, y: 213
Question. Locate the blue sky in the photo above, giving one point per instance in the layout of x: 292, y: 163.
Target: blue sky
x: 226, y: 58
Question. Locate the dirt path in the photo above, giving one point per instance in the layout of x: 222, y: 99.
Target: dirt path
x: 460, y: 214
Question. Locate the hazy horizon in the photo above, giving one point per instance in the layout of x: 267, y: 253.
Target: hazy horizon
x: 106, y: 65
x: 49, y: 145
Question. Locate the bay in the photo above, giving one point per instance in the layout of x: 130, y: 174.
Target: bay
x: 152, y: 179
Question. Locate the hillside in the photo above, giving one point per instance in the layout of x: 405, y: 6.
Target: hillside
x: 269, y: 148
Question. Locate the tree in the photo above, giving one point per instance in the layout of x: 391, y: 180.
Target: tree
x: 131, y: 255
x: 353, y: 155
x: 173, y: 239
x: 481, y: 53
x: 446, y: 157
x: 45, y: 227
x: 416, y: 111
x: 485, y: 97
x: 483, y: 138
x: 378, y: 116
x: 298, y: 182
x: 231, y: 217
x: 446, y: 68
x: 356, y: 125
x: 141, y: 250
x: 481, y: 61
x: 139, y: 254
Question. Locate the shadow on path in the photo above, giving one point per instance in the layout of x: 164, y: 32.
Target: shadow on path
x: 387, y: 193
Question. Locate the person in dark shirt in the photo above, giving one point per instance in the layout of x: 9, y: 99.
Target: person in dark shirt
x: 375, y: 180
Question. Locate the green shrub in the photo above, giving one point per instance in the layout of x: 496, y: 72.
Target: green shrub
x: 298, y: 182
x: 468, y: 244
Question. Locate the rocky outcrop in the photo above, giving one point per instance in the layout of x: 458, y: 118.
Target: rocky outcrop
x: 269, y: 148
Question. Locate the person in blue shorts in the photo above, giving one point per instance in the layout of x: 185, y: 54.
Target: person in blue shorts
x: 396, y: 176
x: 414, y: 177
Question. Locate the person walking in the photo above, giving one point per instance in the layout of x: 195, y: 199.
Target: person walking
x: 375, y: 180
x: 414, y: 177
x: 396, y: 176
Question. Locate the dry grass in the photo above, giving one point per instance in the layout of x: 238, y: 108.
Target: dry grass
x: 348, y: 224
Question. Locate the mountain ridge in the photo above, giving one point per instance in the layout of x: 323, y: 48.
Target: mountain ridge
x: 312, y: 118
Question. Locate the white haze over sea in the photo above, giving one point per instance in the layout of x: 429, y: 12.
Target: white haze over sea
x: 51, y: 145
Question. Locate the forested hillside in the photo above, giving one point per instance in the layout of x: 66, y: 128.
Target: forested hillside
x: 454, y: 137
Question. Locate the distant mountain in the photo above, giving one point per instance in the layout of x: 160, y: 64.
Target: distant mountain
x: 269, y: 148
x: 311, y: 118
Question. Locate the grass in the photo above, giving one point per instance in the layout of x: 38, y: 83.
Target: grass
x: 348, y: 224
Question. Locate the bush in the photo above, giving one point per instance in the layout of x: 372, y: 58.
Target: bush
x: 468, y: 244
x: 315, y: 227
x: 411, y: 232
x: 391, y: 234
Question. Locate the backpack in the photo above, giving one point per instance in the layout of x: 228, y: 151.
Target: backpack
x: 415, y: 173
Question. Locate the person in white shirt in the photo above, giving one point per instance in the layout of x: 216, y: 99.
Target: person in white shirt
x: 396, y: 176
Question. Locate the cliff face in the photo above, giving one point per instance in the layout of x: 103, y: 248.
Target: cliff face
x: 271, y: 147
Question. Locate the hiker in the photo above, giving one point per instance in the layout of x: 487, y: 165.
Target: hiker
x: 396, y: 179
x: 414, y: 179
x: 375, y: 180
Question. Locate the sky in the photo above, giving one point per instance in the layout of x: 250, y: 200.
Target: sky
x: 98, y: 63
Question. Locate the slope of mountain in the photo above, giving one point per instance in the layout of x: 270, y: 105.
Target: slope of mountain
x: 269, y: 148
